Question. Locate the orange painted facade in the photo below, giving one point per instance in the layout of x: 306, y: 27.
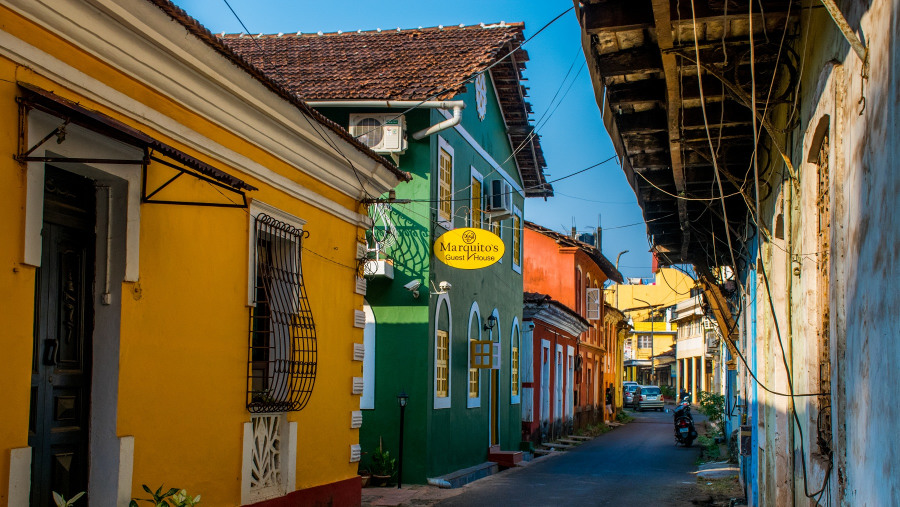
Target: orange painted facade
x: 564, y: 270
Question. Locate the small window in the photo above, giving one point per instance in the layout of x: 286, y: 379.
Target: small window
x: 442, y: 363
x: 283, y: 351
x: 475, y: 196
x: 445, y: 183
x: 517, y: 240
x: 645, y: 342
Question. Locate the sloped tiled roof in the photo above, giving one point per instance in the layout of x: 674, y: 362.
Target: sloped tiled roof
x: 195, y: 28
x: 418, y: 64
x: 428, y: 63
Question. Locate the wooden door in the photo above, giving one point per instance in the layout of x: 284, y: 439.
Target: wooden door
x: 61, y: 365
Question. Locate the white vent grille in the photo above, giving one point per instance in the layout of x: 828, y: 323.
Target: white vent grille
x: 355, y: 453
x: 359, y: 352
x: 361, y: 286
x: 360, y: 251
x: 266, y: 475
x: 359, y: 318
x: 358, y: 384
x: 356, y: 419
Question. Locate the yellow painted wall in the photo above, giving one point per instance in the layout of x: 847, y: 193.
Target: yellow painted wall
x: 663, y: 339
x: 185, y: 323
x: 670, y: 287
x: 16, y: 288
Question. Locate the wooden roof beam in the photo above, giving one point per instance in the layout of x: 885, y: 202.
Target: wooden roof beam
x: 663, y: 21
x: 639, y: 60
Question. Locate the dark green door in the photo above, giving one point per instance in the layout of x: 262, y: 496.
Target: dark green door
x: 61, y: 366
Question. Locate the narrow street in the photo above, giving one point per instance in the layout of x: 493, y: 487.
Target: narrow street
x: 635, y: 464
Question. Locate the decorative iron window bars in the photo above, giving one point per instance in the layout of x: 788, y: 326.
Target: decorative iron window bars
x: 283, y: 355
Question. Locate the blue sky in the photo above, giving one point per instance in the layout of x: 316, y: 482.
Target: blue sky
x: 572, y: 133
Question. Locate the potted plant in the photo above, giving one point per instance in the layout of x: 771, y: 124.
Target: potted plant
x: 383, y: 465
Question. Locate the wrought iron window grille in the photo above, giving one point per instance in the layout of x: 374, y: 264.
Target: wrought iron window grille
x: 282, y: 359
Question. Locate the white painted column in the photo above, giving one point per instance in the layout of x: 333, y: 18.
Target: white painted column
x: 677, y: 377
x: 703, y: 386
x: 693, y: 377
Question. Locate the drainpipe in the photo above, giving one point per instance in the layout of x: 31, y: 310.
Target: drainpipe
x: 456, y: 105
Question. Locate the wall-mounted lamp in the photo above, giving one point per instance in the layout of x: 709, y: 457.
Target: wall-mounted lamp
x: 491, y: 322
x: 402, y: 398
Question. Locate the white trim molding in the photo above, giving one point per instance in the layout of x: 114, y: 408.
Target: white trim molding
x: 515, y: 340
x: 443, y: 402
x: 442, y: 144
x: 474, y: 311
x: 19, y: 490
x: 517, y: 263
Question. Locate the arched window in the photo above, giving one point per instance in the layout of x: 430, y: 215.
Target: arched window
x: 473, y: 399
x: 514, y: 345
x: 443, y: 330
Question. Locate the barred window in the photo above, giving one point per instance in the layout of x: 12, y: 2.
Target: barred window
x: 283, y: 354
x: 475, y: 199
x: 445, y: 183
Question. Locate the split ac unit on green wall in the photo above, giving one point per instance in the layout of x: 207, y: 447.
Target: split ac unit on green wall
x: 384, y: 133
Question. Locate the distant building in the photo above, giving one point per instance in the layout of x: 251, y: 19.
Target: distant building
x: 699, y: 362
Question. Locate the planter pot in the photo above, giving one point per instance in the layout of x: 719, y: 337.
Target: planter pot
x: 380, y: 480
x: 365, y: 479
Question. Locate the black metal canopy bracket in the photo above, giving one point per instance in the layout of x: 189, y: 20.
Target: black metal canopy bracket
x: 73, y: 113
x: 147, y: 195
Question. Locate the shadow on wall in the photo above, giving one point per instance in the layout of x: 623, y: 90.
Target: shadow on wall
x: 412, y: 250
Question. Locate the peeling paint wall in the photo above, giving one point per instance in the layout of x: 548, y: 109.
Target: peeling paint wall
x: 857, y: 312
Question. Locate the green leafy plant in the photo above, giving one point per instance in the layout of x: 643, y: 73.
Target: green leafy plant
x: 382, y: 462
x: 171, y: 498
x: 709, y: 449
x: 623, y: 417
x: 667, y: 392
x: 712, y: 405
x: 62, y: 502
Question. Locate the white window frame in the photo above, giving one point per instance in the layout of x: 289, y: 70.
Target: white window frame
x: 488, y: 224
x: 570, y: 382
x: 444, y: 145
x: 474, y: 174
x: 645, y: 338
x: 515, y: 340
x: 442, y: 402
x: 517, y: 263
x: 474, y: 311
x: 593, y: 313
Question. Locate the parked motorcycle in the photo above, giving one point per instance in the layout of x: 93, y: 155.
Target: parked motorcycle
x: 684, y: 423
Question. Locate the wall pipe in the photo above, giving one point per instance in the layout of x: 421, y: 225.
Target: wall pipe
x: 456, y: 105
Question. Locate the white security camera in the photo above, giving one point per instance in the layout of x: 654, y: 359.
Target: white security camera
x: 413, y: 287
x: 445, y: 286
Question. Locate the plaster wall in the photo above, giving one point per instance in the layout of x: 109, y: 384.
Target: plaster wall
x: 182, y: 336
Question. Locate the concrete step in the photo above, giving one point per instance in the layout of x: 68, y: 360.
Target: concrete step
x: 559, y: 445
x: 580, y: 437
x: 464, y: 476
x: 570, y: 441
x: 545, y: 452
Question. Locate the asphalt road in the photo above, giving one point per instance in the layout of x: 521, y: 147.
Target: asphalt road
x: 635, y: 464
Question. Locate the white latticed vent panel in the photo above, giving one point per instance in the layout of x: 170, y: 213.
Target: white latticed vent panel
x: 266, y: 472
x: 359, y: 318
x: 355, y: 453
x: 361, y: 286
x: 360, y: 250
x: 358, y: 385
x: 359, y: 351
x: 356, y: 419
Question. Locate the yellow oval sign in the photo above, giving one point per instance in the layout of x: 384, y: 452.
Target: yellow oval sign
x: 469, y: 248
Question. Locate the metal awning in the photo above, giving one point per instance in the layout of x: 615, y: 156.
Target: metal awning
x: 72, y: 113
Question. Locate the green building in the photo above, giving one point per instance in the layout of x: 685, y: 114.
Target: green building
x: 458, y: 122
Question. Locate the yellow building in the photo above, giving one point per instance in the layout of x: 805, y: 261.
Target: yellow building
x: 637, y: 301
x: 160, y: 195
x: 650, y: 351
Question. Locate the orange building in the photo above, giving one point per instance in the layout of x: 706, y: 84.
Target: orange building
x: 573, y: 272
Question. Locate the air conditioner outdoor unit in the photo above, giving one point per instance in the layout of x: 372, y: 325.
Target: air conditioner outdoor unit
x: 384, y: 133
x: 499, y: 200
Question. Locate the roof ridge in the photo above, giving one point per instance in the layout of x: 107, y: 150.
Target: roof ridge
x: 376, y: 31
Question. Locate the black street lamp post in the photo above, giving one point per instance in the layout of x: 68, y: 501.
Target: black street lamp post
x: 402, y: 398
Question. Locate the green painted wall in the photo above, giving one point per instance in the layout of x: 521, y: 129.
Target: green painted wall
x: 438, y: 441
